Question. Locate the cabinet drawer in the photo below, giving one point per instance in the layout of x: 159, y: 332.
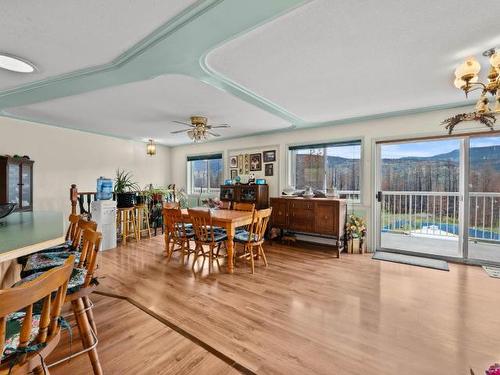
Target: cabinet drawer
x: 301, y: 205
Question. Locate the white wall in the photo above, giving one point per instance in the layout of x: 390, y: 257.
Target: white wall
x: 63, y: 157
x: 423, y: 124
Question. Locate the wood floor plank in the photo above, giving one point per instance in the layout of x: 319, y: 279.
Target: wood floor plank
x: 309, y: 312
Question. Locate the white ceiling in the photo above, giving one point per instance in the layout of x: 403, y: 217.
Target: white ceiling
x: 332, y: 60
x: 63, y: 36
x: 146, y: 109
x: 324, y: 61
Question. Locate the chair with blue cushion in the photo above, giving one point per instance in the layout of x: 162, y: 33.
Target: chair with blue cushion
x: 243, y: 206
x: 205, y: 234
x: 30, y: 322
x: 177, y: 233
x: 254, y: 237
x: 81, y: 284
x: 49, y: 258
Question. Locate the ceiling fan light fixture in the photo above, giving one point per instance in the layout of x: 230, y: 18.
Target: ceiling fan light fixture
x: 16, y: 64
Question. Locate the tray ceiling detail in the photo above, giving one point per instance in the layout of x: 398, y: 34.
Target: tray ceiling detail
x: 145, y: 109
x: 330, y: 60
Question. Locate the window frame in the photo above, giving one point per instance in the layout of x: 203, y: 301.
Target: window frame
x: 291, y: 173
x: 189, y: 172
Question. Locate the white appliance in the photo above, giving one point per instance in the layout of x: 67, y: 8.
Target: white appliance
x: 104, y: 214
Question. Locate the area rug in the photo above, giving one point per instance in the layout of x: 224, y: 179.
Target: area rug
x: 412, y: 260
x: 492, y: 271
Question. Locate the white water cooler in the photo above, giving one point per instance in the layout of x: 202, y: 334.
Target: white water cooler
x: 104, y: 214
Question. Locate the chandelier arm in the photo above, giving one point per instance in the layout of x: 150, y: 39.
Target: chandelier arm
x: 471, y: 84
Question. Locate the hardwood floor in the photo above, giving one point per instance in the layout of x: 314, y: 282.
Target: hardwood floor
x: 307, y: 313
x: 132, y: 342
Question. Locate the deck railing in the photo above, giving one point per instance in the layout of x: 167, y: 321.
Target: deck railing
x: 437, y: 214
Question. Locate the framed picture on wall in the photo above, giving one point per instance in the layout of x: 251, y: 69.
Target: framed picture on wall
x: 233, y: 162
x: 255, y: 162
x: 247, y: 168
x: 234, y: 173
x: 241, y: 165
x: 269, y: 156
x: 269, y: 169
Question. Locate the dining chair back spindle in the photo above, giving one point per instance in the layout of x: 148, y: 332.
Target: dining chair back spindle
x: 28, y: 335
x: 176, y: 233
x: 254, y: 236
x: 206, y: 234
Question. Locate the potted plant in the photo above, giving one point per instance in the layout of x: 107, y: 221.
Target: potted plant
x: 356, y: 233
x: 125, y: 189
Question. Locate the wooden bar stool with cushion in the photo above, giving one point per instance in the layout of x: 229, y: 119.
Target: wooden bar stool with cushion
x: 81, y: 284
x: 254, y: 236
x: 205, y: 234
x: 29, y: 330
x: 142, y: 215
x: 178, y: 232
x: 47, y: 259
x: 125, y: 219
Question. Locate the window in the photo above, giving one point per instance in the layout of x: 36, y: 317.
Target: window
x: 205, y: 173
x: 328, y: 165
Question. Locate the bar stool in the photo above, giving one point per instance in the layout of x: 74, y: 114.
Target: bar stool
x: 125, y: 219
x: 142, y: 214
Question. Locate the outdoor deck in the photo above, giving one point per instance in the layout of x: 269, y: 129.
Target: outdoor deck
x: 444, y: 246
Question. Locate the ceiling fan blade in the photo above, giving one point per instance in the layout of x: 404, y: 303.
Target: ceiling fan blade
x: 179, y: 131
x: 215, y: 126
x: 214, y: 134
x: 183, y: 123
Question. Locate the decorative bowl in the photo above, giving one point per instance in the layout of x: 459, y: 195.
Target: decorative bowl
x: 6, y: 209
x: 289, y: 190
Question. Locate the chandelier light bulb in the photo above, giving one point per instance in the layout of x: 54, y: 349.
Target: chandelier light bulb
x: 468, y: 69
x: 495, y: 60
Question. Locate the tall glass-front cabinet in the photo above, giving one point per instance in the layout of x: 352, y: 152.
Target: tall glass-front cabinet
x: 16, y: 182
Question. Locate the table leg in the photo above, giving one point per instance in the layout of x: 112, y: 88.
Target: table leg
x: 230, y: 248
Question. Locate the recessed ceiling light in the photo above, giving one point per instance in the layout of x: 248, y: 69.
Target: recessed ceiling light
x: 15, y: 64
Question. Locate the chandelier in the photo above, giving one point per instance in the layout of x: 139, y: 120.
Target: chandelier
x: 467, y: 79
x: 151, y: 148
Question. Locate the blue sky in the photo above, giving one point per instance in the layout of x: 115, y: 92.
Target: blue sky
x: 431, y: 148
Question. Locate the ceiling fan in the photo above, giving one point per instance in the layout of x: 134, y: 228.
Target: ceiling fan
x: 199, y: 130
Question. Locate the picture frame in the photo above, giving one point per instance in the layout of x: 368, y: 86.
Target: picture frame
x: 233, y: 162
x: 255, y: 162
x: 269, y: 156
x: 241, y: 166
x: 233, y: 173
x: 247, y: 169
x: 269, y: 169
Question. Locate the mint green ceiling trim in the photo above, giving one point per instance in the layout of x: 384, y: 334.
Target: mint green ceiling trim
x: 205, y: 25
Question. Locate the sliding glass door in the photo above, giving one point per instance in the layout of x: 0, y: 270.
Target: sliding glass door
x: 440, y: 197
x: 419, y: 205
x: 484, y: 198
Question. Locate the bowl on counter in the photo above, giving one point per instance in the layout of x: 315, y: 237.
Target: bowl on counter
x: 6, y: 209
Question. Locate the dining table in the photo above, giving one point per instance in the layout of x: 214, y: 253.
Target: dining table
x: 24, y: 233
x: 228, y: 220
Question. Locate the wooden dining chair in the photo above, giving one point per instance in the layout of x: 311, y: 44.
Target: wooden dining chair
x: 30, y: 331
x: 254, y: 236
x: 243, y: 206
x: 205, y: 234
x: 52, y: 257
x: 177, y: 233
x: 225, y: 205
x: 81, y: 284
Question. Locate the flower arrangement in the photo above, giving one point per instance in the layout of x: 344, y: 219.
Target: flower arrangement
x: 355, y: 227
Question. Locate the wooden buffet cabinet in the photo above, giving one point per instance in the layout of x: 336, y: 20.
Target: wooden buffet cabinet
x: 323, y: 217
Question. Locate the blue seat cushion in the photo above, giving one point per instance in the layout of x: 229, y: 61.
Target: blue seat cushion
x: 218, y: 237
x: 13, y: 332
x: 66, y: 246
x: 45, y: 261
x: 243, y: 236
x: 74, y: 284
